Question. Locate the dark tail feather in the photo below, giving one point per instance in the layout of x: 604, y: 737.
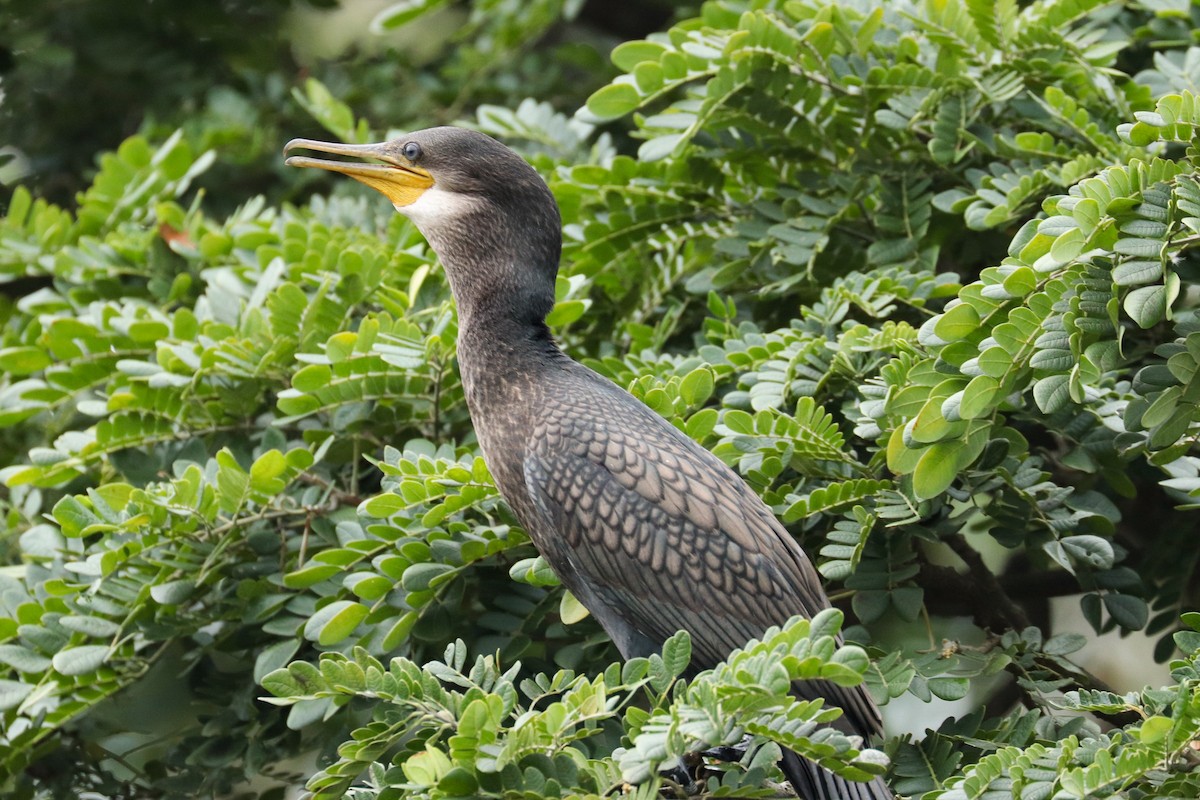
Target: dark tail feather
x: 815, y: 783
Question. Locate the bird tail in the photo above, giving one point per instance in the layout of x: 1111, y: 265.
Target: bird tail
x: 817, y: 783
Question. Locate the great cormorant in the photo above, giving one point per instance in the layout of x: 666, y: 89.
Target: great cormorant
x: 650, y: 531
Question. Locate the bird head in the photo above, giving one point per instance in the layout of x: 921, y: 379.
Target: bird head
x: 489, y: 215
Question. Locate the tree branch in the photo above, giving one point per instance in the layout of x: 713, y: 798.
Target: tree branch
x: 976, y: 592
x: 986, y: 598
x: 343, y: 498
x: 1040, y: 585
x: 987, y: 587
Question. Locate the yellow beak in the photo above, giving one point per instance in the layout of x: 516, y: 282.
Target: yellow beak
x: 395, y: 178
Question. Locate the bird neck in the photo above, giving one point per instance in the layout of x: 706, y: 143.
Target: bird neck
x: 502, y: 312
x: 498, y: 292
x: 501, y: 359
x: 501, y: 258
x: 500, y: 275
x: 498, y: 345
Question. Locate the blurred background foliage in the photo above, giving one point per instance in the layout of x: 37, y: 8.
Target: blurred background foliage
x: 80, y: 76
x: 923, y: 272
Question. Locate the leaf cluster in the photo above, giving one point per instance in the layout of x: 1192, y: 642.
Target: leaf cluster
x: 923, y: 273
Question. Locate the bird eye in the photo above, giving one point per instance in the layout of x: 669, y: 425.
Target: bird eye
x: 412, y: 151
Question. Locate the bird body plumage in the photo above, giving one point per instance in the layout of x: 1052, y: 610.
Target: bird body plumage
x: 649, y: 530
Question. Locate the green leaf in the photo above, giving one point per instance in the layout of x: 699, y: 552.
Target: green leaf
x: 458, y: 782
x: 1087, y: 214
x: 80, y: 660
x: 1051, y: 393
x: 565, y: 312
x: 677, y: 653
x: 701, y: 424
x: 1147, y: 306
x: 908, y: 601
x: 172, y: 593
x: 12, y: 693
x: 340, y: 346
x: 264, y: 471
x: 298, y: 679
x: 1139, y: 133
x: 420, y: 577
x: 233, y: 483
x: 614, y: 100
x: 310, y: 575
x: 659, y: 147
x: 648, y: 76
x: 399, y: 631
x: 628, y: 55
x: 1021, y: 282
x: 89, y: 626
x: 979, y: 397
x: 957, y: 323
x: 1094, y: 551
x: 368, y: 586
x: 23, y: 360
x: 1128, y: 611
x: 428, y: 767
x: 398, y: 14
x: 571, y: 610
x: 312, y: 378
x: 949, y: 688
x: 535, y: 571
x: 22, y: 658
x: 73, y: 516
x: 1064, y: 644
x: 821, y: 36
x: 1068, y: 246
x: 995, y: 362
x: 334, y: 622
x: 1156, y: 729
x: 697, y: 386
x: 273, y: 658
x: 936, y: 469
x: 931, y: 425
x: 901, y: 459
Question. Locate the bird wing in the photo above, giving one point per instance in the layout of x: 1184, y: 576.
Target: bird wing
x: 667, y: 537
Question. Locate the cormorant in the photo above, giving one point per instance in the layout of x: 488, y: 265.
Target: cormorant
x: 650, y: 531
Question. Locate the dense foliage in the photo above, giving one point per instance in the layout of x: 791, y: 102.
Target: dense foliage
x: 924, y: 273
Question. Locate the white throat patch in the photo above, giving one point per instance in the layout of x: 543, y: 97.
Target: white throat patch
x: 437, y: 205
